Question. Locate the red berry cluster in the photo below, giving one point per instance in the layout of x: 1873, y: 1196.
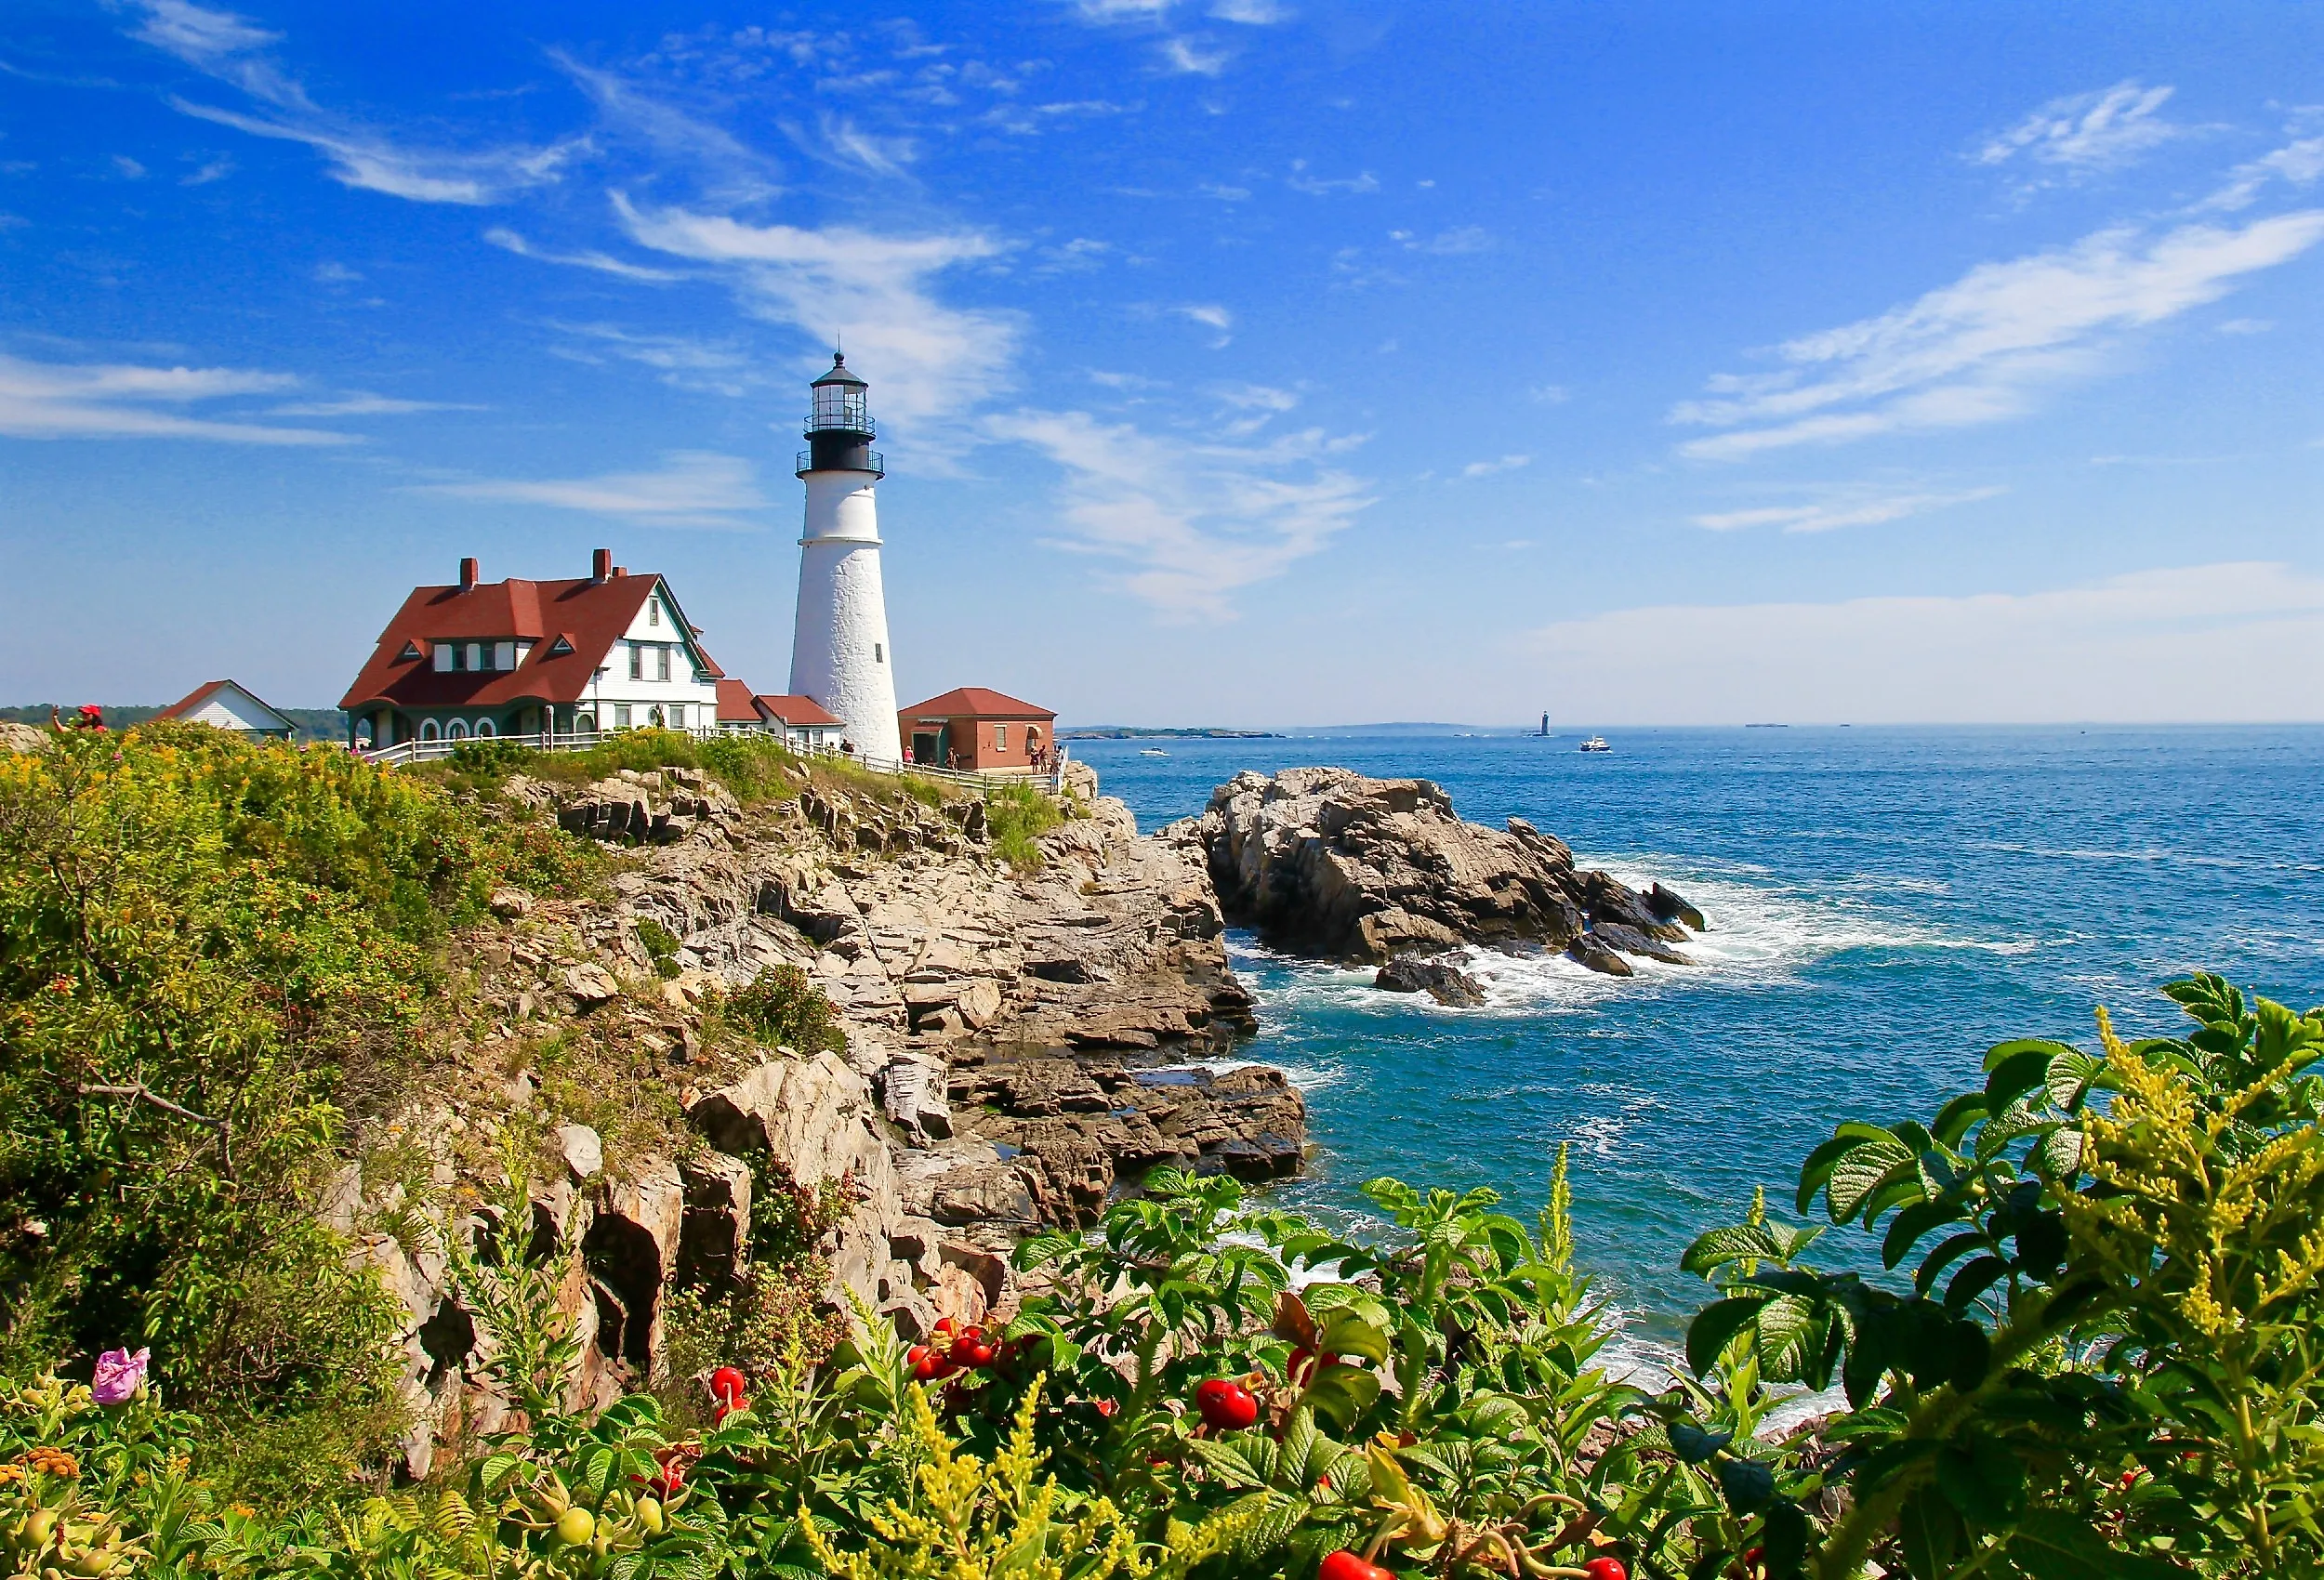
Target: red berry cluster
x: 726, y: 1391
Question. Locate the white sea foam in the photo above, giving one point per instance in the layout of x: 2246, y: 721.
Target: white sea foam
x: 1761, y: 933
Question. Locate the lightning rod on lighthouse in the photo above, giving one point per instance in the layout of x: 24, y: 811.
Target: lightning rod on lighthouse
x: 839, y: 651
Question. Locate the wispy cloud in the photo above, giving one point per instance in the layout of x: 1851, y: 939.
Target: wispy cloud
x: 1843, y: 508
x: 683, y: 362
x: 1195, y: 524
x: 2203, y: 641
x: 1486, y: 469
x: 2298, y: 163
x: 728, y: 170
x: 693, y: 488
x: 211, y: 170
x: 121, y: 400
x: 1980, y: 350
x: 931, y: 360
x: 2088, y: 132
x: 1186, y: 55
x: 362, y: 403
x: 1298, y: 181
x: 235, y: 51
x: 604, y: 263
x: 850, y: 144
x: 1210, y: 316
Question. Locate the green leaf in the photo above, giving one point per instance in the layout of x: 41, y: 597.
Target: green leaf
x: 1693, y: 1445
x: 1791, y: 1335
x: 2015, y: 1069
x: 2058, y: 1545
x: 1973, y: 1280
x: 1708, y: 1335
x: 1818, y: 1166
x: 1783, y: 1540
x: 1862, y: 1171
x: 2069, y: 1076
x: 1910, y: 1225
x: 1346, y: 1333
x: 1983, y: 1479
x: 1954, y: 1119
x: 1749, y: 1485
x: 1930, y: 1531
x: 1943, y: 1257
x: 2060, y: 1154
x: 1341, y: 1393
x: 1734, y: 1242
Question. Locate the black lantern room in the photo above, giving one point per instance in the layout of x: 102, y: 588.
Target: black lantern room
x: 840, y: 429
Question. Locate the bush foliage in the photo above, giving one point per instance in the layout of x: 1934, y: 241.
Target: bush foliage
x: 2094, y: 1352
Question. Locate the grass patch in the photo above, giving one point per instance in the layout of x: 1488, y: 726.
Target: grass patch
x: 784, y: 1007
x: 1019, y: 815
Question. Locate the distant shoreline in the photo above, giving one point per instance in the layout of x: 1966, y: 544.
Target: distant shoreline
x: 1123, y: 732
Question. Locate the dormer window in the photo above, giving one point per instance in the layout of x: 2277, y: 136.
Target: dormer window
x: 560, y: 648
x: 444, y: 657
x: 410, y: 653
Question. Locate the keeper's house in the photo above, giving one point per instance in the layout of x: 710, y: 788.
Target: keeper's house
x: 480, y: 659
x: 228, y: 704
x: 800, y: 723
x: 978, y: 730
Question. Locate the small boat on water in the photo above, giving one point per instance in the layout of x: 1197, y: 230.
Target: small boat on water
x: 1595, y: 744
x: 1151, y: 752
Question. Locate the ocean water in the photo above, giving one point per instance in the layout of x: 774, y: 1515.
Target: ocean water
x: 1883, y: 905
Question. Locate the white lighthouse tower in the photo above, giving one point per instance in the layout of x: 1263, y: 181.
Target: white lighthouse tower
x: 839, y: 652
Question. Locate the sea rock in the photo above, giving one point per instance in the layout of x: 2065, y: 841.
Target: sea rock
x: 1590, y: 951
x: 1331, y: 861
x: 1629, y: 941
x: 1668, y: 905
x: 1440, y: 979
x: 17, y: 737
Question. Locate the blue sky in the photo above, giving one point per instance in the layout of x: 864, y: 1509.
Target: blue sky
x: 1250, y: 361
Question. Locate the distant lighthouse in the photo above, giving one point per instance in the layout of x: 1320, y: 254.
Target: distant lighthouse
x: 839, y: 652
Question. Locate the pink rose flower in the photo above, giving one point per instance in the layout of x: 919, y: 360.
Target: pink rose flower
x: 119, y: 1376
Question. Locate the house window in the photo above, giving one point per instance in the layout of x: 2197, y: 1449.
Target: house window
x: 476, y: 655
x: 637, y: 661
x: 880, y: 653
x: 677, y: 719
x: 661, y: 662
x: 504, y: 655
x: 653, y: 612
x: 621, y: 716
x: 443, y: 656
x: 1000, y: 737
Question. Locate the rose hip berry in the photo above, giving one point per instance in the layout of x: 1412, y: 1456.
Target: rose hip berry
x: 1345, y: 1565
x: 1227, y: 1406
x: 1605, y: 1569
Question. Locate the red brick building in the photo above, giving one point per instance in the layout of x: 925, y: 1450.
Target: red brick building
x: 978, y: 730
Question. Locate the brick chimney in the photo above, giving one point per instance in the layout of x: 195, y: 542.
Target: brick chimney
x: 602, y: 565
x: 467, y: 574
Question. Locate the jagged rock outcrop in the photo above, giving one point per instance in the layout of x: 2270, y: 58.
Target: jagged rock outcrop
x: 1331, y: 863
x: 1439, y: 977
x: 1020, y: 1047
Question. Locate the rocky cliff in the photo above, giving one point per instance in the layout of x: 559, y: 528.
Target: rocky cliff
x: 1327, y: 862
x: 1017, y: 1045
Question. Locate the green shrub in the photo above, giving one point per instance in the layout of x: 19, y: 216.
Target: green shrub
x: 661, y: 946
x: 784, y: 1007
x: 212, y: 954
x: 1018, y: 815
x: 2105, y: 1366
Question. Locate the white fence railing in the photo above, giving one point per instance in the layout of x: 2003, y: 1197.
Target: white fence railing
x: 404, y: 753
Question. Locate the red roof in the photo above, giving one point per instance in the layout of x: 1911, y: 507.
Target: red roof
x: 735, y: 704
x: 192, y: 700
x: 797, y: 712
x: 976, y: 702
x: 590, y: 616
x: 203, y: 693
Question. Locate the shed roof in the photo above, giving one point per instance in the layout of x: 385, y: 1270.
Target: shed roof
x: 978, y: 702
